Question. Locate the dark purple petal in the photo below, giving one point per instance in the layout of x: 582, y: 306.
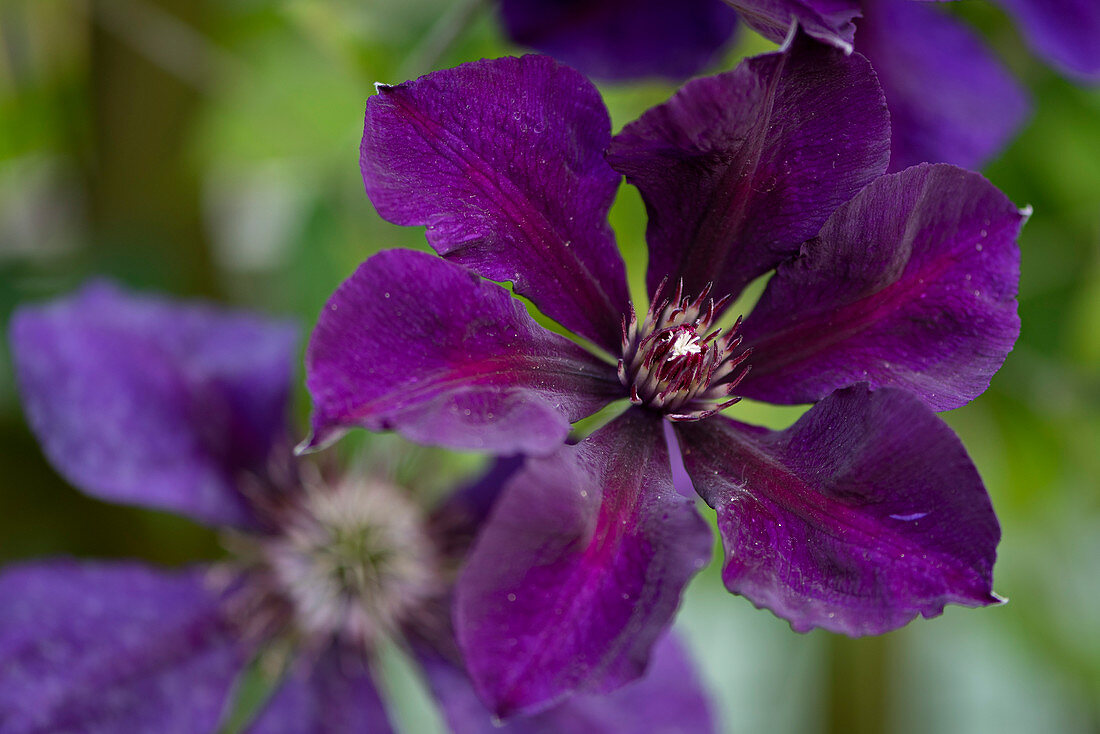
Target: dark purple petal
x: 864, y: 513
x: 503, y: 161
x: 911, y: 284
x: 950, y: 98
x: 737, y: 170
x: 331, y: 695
x: 826, y: 20
x: 458, y: 518
x: 95, y: 648
x: 578, y: 570
x: 1065, y: 32
x: 424, y: 347
x: 152, y: 402
x: 669, y: 699
x: 624, y: 39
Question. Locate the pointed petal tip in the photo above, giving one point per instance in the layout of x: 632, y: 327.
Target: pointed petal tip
x: 319, y: 439
x: 836, y: 42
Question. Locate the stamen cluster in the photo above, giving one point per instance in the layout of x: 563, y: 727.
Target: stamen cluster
x: 351, y: 561
x: 676, y: 362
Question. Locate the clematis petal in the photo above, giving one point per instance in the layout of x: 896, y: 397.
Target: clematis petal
x: 951, y: 100
x: 333, y: 694
x: 457, y: 519
x: 669, y: 699
x: 152, y: 402
x: 424, y: 347
x: 503, y: 161
x: 624, y: 39
x: 578, y: 570
x: 830, y: 21
x: 89, y: 648
x: 1065, y: 32
x: 737, y: 170
x: 864, y: 513
x: 911, y: 284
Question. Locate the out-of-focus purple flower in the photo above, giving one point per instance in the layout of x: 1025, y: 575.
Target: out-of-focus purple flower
x: 1063, y: 31
x: 950, y: 98
x: 624, y: 39
x: 183, y: 407
x: 893, y: 296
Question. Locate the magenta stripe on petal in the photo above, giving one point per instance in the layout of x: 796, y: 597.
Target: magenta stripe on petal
x: 911, y: 284
x: 863, y: 514
x: 503, y: 161
x: 416, y: 344
x: 578, y: 570
x: 738, y: 170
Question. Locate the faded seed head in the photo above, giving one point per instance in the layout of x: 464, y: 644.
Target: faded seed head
x: 676, y: 363
x: 351, y: 561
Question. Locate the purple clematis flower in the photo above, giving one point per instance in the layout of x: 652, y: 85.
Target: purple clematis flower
x: 183, y: 407
x: 893, y: 297
x: 623, y: 40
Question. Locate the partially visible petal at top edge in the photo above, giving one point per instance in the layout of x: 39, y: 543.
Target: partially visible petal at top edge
x: 738, y: 170
x: 1064, y: 32
x: 669, y: 699
x: 503, y: 161
x: 830, y: 21
x: 624, y: 40
x: 578, y: 570
x: 418, y: 345
x: 911, y: 284
x: 951, y: 99
x: 155, y: 402
x: 862, y: 515
x: 94, y: 647
x: 332, y: 694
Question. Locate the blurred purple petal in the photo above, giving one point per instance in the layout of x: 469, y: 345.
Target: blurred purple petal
x: 459, y: 517
x: 669, y: 699
x: 624, y: 39
x: 146, y: 401
x: 951, y: 100
x: 416, y: 344
x: 1065, y: 32
x: 737, y: 170
x: 578, y: 570
x: 95, y: 648
x: 503, y: 161
x: 911, y: 284
x: 826, y: 20
x: 863, y: 514
x: 331, y: 695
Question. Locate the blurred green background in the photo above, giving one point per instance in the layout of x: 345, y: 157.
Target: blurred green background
x: 210, y: 149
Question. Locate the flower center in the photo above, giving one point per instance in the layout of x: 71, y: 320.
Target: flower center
x: 676, y: 363
x: 352, y: 561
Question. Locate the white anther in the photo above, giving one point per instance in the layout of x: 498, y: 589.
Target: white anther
x: 686, y: 343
